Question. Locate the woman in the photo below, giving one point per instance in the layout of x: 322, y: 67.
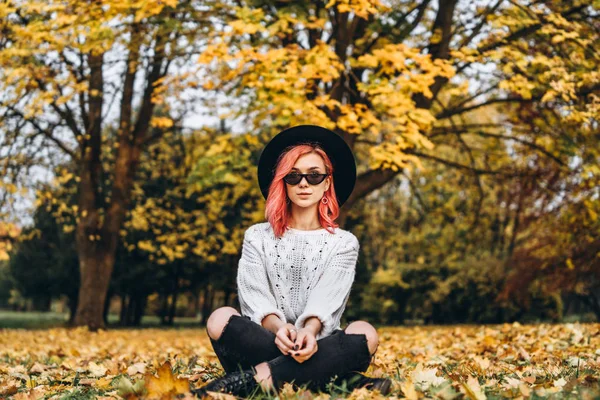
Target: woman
x: 294, y: 277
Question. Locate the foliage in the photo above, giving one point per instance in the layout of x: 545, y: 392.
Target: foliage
x: 495, y: 104
x: 183, y: 231
x: 63, y: 65
x: 462, y: 293
x: 44, y: 264
x: 8, y: 234
x: 506, y: 360
x: 6, y: 284
x: 476, y: 125
x: 380, y: 74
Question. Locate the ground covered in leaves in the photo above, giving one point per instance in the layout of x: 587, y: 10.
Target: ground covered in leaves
x: 493, y: 361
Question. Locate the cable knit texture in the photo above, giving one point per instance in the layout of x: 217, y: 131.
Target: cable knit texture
x: 300, y: 275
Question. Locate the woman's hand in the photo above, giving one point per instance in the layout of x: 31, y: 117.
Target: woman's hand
x: 305, y: 345
x: 285, y: 337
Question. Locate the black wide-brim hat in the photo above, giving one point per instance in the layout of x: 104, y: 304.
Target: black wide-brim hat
x: 338, y: 151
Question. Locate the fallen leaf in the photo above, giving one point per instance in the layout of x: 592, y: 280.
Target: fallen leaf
x: 165, y: 386
x: 38, y: 368
x: 472, y: 389
x: 559, y: 383
x: 33, y: 394
x: 96, y: 370
x: 137, y: 368
x: 408, y: 390
x: 510, y: 382
x: 221, y: 396
x: 127, y: 389
x: 529, y: 379
x: 103, y: 383
x: 426, y: 377
x: 196, y: 377
x: 524, y: 354
x: 525, y: 390
x: 482, y: 362
x: 9, y: 388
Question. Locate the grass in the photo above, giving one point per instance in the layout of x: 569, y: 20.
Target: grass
x: 48, y: 320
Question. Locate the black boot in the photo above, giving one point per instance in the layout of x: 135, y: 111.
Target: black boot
x: 357, y: 381
x: 240, y: 383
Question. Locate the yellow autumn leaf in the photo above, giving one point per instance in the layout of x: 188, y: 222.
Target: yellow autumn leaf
x: 165, y: 385
x: 161, y: 122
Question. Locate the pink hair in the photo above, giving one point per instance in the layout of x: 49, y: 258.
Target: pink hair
x: 278, y: 211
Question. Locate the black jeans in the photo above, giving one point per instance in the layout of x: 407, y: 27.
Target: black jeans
x: 244, y: 344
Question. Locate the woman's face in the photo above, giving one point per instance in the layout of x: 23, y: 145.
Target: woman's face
x: 306, y: 164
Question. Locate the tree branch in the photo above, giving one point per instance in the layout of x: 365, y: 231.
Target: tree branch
x: 439, y: 49
x: 45, y: 132
x: 477, y: 178
x: 454, y: 111
x: 369, y: 181
x: 466, y: 41
x: 526, y: 31
x: 464, y: 167
x: 415, y: 22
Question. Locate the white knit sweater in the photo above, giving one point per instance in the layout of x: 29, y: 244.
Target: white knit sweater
x: 300, y: 275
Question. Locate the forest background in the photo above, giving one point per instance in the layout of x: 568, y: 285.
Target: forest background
x: 131, y: 130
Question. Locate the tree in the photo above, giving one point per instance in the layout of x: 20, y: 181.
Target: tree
x: 64, y: 67
x: 192, y: 222
x: 503, y: 92
x: 188, y: 216
x: 393, y: 78
x: 44, y: 264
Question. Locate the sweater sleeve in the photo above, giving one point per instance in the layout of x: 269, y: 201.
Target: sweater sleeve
x: 329, y: 297
x: 254, y: 293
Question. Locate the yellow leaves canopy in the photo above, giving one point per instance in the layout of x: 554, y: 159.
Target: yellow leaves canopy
x: 8, y: 234
x: 287, y: 84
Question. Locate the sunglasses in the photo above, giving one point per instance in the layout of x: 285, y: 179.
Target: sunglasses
x: 294, y: 178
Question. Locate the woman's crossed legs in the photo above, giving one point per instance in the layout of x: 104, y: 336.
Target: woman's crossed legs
x: 240, y: 343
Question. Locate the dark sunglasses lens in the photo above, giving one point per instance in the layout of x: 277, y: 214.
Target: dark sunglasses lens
x: 292, y: 179
x: 315, y: 179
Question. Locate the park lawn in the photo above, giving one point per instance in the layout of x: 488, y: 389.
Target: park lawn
x: 47, y: 320
x: 444, y: 362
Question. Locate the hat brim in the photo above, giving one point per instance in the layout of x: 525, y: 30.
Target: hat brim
x: 338, y: 151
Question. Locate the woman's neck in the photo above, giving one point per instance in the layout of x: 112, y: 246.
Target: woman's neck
x: 304, y: 219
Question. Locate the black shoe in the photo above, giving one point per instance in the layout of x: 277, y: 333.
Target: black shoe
x: 237, y: 383
x: 357, y: 381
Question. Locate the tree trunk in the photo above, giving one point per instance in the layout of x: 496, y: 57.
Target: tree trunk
x: 140, y: 307
x: 96, y: 269
x: 42, y: 303
x: 130, y: 316
x: 173, y: 307
x: 593, y: 302
x: 72, y: 309
x: 208, y: 303
x: 101, y: 220
x: 203, y: 309
x: 123, y: 313
x: 174, y: 294
x: 163, y: 309
x: 226, y: 295
x: 516, y: 223
x: 107, y: 307
x: 196, y: 304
